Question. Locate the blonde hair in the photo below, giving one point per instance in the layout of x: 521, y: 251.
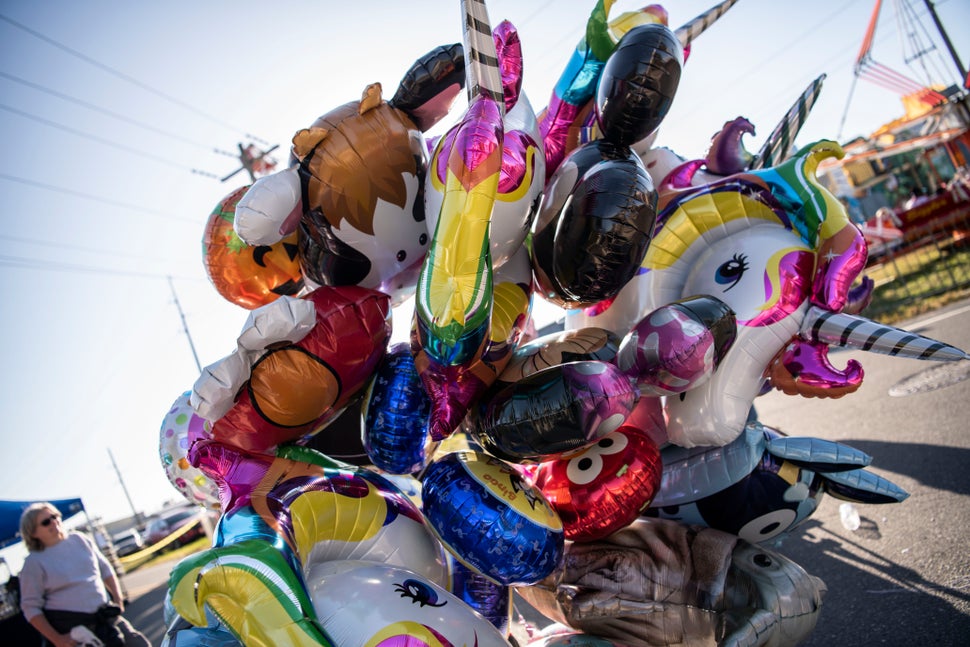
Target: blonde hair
x: 28, y: 524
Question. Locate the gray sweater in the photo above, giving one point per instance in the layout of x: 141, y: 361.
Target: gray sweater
x: 67, y: 576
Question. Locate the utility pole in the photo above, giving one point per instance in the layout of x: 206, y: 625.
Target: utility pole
x: 946, y: 41
x: 185, y: 326
x: 134, y: 511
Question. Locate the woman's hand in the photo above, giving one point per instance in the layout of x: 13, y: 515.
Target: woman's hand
x: 64, y: 640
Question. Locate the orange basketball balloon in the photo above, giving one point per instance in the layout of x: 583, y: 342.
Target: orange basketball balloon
x: 248, y: 275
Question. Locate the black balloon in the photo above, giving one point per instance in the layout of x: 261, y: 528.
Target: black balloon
x: 597, y: 219
x: 555, y: 411
x: 638, y: 83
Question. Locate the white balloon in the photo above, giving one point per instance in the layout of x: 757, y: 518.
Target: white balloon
x: 361, y: 603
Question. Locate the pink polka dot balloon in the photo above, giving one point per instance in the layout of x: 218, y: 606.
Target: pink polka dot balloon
x: 180, y: 428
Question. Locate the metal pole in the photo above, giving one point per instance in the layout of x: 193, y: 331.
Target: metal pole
x: 185, y: 326
x: 125, y: 488
x: 946, y: 41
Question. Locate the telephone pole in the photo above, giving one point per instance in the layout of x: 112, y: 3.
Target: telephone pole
x: 185, y: 326
x: 946, y: 41
x: 134, y: 511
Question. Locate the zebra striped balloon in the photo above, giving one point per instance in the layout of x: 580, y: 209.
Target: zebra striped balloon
x: 840, y: 329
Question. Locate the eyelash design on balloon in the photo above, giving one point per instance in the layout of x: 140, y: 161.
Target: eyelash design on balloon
x: 419, y: 592
x: 731, y: 271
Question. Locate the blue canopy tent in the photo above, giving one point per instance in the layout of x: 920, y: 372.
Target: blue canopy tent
x: 10, y: 512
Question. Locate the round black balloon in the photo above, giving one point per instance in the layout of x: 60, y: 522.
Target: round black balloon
x: 638, y: 83
x: 596, y: 221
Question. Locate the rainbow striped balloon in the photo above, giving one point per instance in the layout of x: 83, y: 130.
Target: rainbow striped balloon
x: 453, y: 304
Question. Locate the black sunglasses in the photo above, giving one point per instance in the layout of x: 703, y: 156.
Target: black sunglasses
x: 46, y: 522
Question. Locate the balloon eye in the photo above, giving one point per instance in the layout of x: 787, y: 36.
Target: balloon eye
x: 762, y: 560
x: 423, y: 239
x: 731, y: 271
x: 419, y: 592
x: 401, y: 255
x: 259, y: 253
x: 605, y: 442
x: 584, y: 464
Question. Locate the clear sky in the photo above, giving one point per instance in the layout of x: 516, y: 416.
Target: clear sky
x: 107, y: 107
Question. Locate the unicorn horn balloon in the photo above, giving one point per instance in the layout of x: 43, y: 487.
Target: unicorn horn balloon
x: 453, y: 306
x: 779, y: 250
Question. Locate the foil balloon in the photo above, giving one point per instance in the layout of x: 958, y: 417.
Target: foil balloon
x: 557, y: 410
x: 599, y: 208
x: 558, y: 348
x: 638, y: 84
x: 270, y: 209
x: 594, y: 225
x: 491, y: 519
x: 324, y: 513
x: 235, y: 477
x: 452, y: 313
x: 660, y: 582
x: 396, y: 410
x: 576, y: 87
x: 727, y: 154
x: 678, y: 346
x: 181, y: 633
x: 180, y: 428
x: 342, y: 438
x: 247, y: 275
x: 522, y: 173
x: 363, y: 604
x: 753, y: 241
x: 605, y: 487
x: 360, y: 171
x: 569, y: 638
x: 764, y: 483
x: 454, y: 390
x: 490, y: 600
x: 245, y: 524
x: 251, y: 590
x: 286, y: 320
x: 294, y: 389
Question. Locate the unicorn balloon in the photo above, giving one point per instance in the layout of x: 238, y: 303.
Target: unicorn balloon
x: 780, y: 251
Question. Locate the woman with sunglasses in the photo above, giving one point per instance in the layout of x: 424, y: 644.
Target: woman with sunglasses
x: 66, y: 582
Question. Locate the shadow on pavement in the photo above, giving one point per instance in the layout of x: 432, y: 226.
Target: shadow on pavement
x: 872, y: 599
x: 935, y: 466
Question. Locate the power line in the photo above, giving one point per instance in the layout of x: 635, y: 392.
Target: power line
x: 104, y: 141
x: 105, y: 111
x: 126, y: 77
x: 96, y: 198
x: 70, y: 268
x: 76, y: 248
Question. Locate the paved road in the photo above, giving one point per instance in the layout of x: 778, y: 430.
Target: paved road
x: 902, y: 578
x: 146, y: 589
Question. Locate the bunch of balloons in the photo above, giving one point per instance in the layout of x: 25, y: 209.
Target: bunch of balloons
x: 610, y: 473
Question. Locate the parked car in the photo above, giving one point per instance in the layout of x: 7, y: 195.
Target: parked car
x: 161, y: 527
x: 128, y: 542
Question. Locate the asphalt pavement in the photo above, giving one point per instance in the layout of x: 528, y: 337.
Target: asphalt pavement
x: 903, y: 577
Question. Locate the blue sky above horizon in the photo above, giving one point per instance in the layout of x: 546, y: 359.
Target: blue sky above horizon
x: 108, y: 107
